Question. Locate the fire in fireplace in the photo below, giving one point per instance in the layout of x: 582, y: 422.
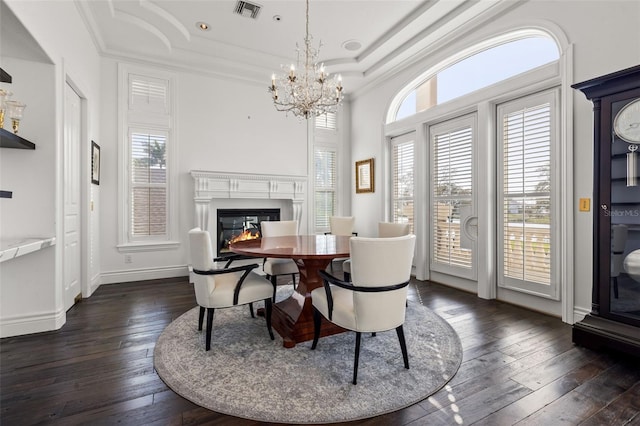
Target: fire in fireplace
x: 241, y: 224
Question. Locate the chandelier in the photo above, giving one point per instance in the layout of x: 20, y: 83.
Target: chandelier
x: 309, y: 92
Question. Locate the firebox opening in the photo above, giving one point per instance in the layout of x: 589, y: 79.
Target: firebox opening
x: 241, y: 224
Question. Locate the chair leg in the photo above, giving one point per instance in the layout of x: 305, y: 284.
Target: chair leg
x: 200, y: 318
x: 293, y: 277
x: 615, y: 287
x: 317, y: 321
x: 268, y: 308
x: 251, y: 310
x: 403, y: 346
x: 355, y: 363
x: 274, y: 282
x: 209, y: 326
x: 347, y: 276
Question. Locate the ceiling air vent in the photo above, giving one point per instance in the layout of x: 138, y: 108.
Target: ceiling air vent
x: 247, y: 9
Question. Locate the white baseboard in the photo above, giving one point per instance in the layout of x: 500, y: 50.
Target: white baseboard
x: 579, y: 313
x: 143, y: 274
x: 32, y: 323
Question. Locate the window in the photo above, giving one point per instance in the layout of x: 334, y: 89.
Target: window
x: 325, y: 196
x: 402, y: 178
x: 148, y: 184
x: 527, y: 138
x: 146, y: 161
x: 326, y: 121
x: 452, y: 199
x: 489, y: 63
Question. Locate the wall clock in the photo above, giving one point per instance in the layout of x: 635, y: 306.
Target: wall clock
x: 626, y: 125
x: 627, y: 122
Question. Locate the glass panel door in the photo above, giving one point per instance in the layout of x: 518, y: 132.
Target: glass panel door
x: 624, y: 211
x: 453, y: 217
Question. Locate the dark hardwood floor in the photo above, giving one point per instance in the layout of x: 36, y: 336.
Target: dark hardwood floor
x: 519, y: 367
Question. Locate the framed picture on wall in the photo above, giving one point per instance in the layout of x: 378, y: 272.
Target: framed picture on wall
x: 95, y: 163
x: 364, y: 176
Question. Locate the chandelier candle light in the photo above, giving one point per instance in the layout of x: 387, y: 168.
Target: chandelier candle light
x: 310, y: 93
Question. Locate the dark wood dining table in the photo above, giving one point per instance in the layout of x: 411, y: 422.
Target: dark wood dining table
x: 292, y: 317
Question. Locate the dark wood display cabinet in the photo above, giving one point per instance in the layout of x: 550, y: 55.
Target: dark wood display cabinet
x: 614, y: 321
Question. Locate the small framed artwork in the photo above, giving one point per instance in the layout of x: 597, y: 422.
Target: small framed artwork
x: 364, y: 176
x: 95, y: 163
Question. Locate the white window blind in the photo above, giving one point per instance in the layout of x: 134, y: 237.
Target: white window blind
x: 326, y: 121
x: 148, y: 185
x: 526, y: 195
x: 325, y: 160
x: 148, y: 94
x: 147, y: 172
x: 402, y: 178
x: 452, y: 190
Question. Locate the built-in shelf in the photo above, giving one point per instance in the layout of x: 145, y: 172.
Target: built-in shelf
x: 11, y: 140
x: 16, y: 247
x: 4, y: 77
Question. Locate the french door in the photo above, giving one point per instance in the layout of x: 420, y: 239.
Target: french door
x: 453, y: 217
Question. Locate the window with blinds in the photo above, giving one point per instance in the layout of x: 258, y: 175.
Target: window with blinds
x: 148, y: 184
x: 148, y: 94
x: 402, y: 178
x: 452, y: 180
x: 326, y: 121
x: 325, y: 196
x: 525, y: 206
x: 146, y: 208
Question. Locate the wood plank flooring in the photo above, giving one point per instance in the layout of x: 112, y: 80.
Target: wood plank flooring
x: 519, y: 367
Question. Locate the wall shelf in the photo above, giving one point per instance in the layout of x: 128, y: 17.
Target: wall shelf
x: 4, y: 77
x: 11, y: 140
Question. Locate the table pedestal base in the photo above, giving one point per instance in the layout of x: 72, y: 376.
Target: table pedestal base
x: 292, y: 318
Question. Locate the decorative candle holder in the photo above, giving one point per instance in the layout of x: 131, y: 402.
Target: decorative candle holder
x: 4, y: 97
x: 14, y: 111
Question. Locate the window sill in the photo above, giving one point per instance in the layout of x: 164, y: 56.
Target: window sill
x: 148, y: 246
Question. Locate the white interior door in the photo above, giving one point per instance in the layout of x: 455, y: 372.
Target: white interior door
x: 72, y: 220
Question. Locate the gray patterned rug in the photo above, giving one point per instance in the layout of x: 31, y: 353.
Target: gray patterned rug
x: 246, y: 374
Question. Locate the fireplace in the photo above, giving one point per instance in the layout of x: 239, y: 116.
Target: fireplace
x: 241, y: 224
x: 224, y: 190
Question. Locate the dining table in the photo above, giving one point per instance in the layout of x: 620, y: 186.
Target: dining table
x: 292, y: 318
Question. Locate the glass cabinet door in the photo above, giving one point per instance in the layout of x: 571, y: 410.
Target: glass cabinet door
x: 623, y: 212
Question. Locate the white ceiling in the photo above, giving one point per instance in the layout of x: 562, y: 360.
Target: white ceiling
x: 391, y: 32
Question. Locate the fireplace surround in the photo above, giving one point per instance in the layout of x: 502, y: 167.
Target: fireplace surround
x: 219, y: 190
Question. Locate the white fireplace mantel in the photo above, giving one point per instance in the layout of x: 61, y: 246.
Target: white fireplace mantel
x: 210, y: 185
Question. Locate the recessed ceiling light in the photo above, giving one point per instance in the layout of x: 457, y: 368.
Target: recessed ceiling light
x: 203, y: 26
x: 352, y: 45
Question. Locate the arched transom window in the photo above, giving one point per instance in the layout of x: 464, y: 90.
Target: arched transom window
x: 480, y: 66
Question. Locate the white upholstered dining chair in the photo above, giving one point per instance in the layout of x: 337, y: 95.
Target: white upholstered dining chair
x: 273, y: 267
x: 385, y: 230
x: 343, y: 226
x: 376, y: 299
x: 222, y: 288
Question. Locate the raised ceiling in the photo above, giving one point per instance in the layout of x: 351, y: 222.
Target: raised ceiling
x: 165, y: 32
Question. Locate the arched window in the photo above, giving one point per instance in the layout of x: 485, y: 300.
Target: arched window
x: 490, y: 169
x: 475, y: 68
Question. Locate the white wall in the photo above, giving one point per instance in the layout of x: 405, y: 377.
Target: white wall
x: 223, y: 126
x: 596, y: 51
x: 35, y: 280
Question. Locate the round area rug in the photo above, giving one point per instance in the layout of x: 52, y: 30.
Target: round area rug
x: 248, y: 375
